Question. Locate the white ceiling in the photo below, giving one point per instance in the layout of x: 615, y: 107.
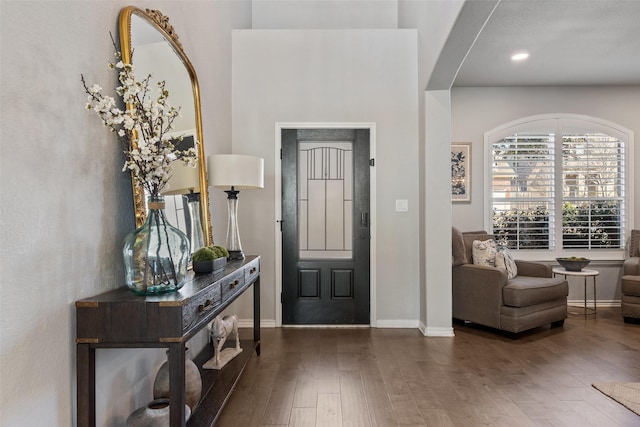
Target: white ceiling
x: 571, y: 42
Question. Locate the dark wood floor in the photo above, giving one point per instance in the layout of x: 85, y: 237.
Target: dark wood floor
x: 393, y: 377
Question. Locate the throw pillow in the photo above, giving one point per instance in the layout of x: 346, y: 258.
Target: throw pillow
x: 504, y: 259
x: 484, y: 252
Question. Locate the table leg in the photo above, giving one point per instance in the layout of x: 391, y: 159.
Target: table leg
x: 595, y: 303
x: 177, y: 389
x: 256, y: 315
x: 586, y: 310
x: 585, y: 295
x: 86, y: 385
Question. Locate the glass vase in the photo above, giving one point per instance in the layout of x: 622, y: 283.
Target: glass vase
x: 156, y: 255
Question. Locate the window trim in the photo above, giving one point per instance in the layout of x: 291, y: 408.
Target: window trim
x: 558, y: 122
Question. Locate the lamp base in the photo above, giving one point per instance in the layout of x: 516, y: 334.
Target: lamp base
x: 233, y: 234
x: 236, y: 255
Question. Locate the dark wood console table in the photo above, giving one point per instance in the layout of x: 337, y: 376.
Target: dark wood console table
x: 121, y: 319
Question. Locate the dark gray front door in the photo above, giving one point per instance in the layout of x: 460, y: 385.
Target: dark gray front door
x: 326, y: 239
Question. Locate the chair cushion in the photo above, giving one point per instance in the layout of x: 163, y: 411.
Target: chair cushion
x: 504, y: 259
x: 523, y: 291
x: 484, y: 252
x: 458, y: 256
x: 631, y: 285
x: 631, y: 299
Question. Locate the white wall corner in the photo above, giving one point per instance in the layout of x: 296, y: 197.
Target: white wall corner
x: 436, y: 332
x: 437, y: 301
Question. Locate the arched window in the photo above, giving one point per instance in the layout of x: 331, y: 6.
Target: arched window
x: 559, y: 183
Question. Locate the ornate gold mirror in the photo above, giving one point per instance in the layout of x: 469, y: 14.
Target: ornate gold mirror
x: 150, y: 44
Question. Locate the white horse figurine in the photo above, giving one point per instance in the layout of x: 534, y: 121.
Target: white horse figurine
x: 219, y: 330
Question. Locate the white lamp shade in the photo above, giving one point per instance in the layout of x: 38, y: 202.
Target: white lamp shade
x: 184, y: 179
x: 236, y: 170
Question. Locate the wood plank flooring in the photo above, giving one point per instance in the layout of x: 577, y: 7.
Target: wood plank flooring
x: 397, y: 377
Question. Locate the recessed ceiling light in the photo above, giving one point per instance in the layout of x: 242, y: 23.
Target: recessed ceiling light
x: 520, y: 56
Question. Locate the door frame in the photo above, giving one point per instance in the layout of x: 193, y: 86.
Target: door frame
x: 279, y: 126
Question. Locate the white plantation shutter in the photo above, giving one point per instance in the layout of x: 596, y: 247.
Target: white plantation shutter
x: 523, y: 190
x: 559, y: 184
x: 593, y: 190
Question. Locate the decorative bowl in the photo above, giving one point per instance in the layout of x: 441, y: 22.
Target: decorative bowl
x: 573, y: 263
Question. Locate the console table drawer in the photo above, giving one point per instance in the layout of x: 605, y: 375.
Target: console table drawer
x: 199, y: 307
x: 252, y: 270
x: 232, y: 284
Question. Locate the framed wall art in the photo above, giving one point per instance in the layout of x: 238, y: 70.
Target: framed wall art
x: 461, y: 172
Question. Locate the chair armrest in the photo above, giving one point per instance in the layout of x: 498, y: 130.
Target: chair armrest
x: 534, y: 269
x: 477, y: 293
x: 631, y: 266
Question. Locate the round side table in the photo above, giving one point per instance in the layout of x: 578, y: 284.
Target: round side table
x: 585, y: 274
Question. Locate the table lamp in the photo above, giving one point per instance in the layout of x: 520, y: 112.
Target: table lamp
x: 235, y: 172
x: 185, y: 181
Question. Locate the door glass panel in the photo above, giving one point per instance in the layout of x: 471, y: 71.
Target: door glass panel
x: 325, y: 199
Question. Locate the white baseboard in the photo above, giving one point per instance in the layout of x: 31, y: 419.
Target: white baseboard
x: 264, y: 323
x: 600, y: 303
x: 327, y: 326
x: 411, y: 324
x: 436, y: 332
x: 396, y: 324
x: 391, y: 324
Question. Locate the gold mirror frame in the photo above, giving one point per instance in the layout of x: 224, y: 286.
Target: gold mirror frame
x: 161, y: 23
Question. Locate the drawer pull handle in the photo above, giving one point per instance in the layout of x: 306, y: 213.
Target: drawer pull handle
x: 208, y: 305
x: 234, y: 284
x: 253, y: 270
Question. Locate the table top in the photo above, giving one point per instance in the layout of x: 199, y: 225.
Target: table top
x: 583, y: 272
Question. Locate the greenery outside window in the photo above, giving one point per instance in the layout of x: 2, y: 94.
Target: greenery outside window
x: 560, y: 184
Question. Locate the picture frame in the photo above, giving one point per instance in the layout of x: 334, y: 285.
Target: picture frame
x: 461, y: 172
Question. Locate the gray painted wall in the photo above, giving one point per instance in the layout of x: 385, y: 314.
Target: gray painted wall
x: 63, y: 195
x: 475, y: 111
x: 349, y: 76
x: 65, y: 206
x: 64, y: 198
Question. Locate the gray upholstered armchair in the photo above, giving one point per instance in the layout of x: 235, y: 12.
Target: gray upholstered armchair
x: 631, y: 281
x: 486, y: 296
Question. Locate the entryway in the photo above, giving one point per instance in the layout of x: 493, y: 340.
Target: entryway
x: 326, y: 221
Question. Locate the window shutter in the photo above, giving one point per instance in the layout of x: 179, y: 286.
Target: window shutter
x: 523, y: 190
x: 559, y: 183
x: 593, y: 190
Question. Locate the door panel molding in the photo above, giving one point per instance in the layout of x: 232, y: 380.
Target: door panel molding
x: 342, y: 286
x: 309, y: 283
x: 339, y: 127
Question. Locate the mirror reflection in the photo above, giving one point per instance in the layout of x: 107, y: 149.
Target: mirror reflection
x: 149, y: 42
